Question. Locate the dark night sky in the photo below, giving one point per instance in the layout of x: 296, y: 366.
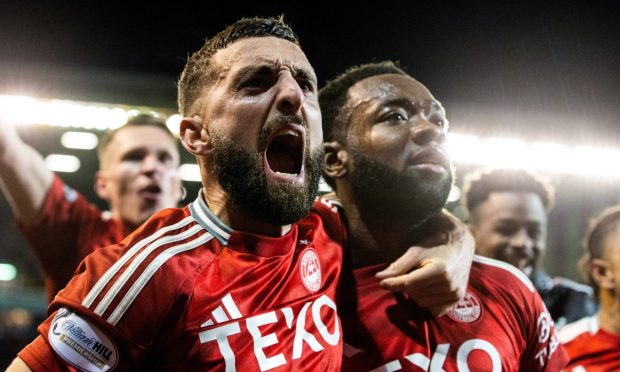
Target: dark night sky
x: 537, y: 59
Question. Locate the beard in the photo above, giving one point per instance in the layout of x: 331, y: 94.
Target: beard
x: 242, y: 176
x: 405, y: 196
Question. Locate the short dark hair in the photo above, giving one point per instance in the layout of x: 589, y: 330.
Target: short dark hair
x: 140, y: 120
x: 599, y: 228
x: 197, y: 74
x: 333, y: 99
x: 478, y: 185
x: 333, y: 96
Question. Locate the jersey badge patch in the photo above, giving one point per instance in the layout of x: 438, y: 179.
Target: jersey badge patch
x: 310, y: 270
x: 467, y: 310
x: 80, y: 343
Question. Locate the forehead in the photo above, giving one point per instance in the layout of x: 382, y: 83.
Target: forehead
x: 260, y: 50
x: 384, y: 88
x: 140, y: 136
x: 517, y: 205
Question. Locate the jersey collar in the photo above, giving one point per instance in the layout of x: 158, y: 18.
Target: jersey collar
x: 207, y: 219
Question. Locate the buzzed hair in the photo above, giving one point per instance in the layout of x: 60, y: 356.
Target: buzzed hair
x: 198, y: 73
x: 599, y: 228
x: 478, y: 185
x: 141, y: 120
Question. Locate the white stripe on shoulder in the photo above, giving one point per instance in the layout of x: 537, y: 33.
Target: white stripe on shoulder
x: 203, y: 216
x: 158, y: 262
x: 508, y: 267
x: 105, y: 278
x: 140, y: 258
x: 570, y: 331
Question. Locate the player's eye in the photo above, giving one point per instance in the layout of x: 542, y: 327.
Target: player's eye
x: 306, y: 86
x: 395, y: 116
x: 257, y: 83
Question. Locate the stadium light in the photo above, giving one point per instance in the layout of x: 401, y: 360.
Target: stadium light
x: 8, y: 272
x: 62, y: 163
x: 79, y: 140
x: 540, y: 156
x: 189, y: 172
x: 23, y: 110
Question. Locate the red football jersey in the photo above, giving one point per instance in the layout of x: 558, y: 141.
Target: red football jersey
x: 590, y: 348
x: 186, y: 292
x: 67, y: 230
x: 500, y: 325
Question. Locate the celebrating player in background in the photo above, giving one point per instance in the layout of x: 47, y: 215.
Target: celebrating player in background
x: 593, y: 343
x: 245, y: 277
x: 385, y: 156
x: 137, y: 177
x: 508, y: 212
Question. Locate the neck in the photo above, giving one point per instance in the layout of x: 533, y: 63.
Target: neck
x: 222, y: 206
x: 374, y: 238
x: 610, y: 312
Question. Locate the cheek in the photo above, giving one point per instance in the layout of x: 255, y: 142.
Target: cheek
x: 241, y: 116
x: 171, y: 179
x: 389, y: 143
x: 126, y: 175
x: 494, y: 242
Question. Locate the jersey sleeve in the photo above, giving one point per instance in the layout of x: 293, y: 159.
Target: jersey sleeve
x: 543, y: 349
x: 54, y: 234
x: 112, y: 310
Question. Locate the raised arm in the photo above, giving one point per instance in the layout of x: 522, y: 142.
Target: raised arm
x: 24, y: 178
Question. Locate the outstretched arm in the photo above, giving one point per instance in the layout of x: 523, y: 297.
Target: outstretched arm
x: 24, y: 178
x: 435, y: 273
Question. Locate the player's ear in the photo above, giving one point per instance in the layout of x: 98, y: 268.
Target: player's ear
x: 194, y: 136
x: 602, y: 274
x: 336, y: 160
x: 100, y: 185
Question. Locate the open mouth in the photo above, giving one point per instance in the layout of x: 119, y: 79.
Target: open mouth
x: 151, y: 191
x: 284, y: 155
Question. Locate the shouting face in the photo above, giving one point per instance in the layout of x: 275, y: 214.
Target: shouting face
x: 263, y: 121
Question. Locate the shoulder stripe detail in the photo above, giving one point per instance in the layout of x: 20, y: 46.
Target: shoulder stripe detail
x: 569, y: 332
x: 158, y: 262
x: 105, y: 278
x: 508, y: 267
x: 140, y: 258
x: 209, y: 221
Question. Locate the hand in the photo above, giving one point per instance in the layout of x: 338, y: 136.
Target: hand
x: 435, y: 273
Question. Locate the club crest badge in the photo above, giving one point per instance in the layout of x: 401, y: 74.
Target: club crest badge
x: 467, y: 310
x: 310, y: 270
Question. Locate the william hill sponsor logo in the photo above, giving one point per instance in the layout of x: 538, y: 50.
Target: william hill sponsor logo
x: 77, y: 341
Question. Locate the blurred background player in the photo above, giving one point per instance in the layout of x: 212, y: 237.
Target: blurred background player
x: 508, y: 210
x: 137, y: 176
x: 385, y: 154
x: 593, y: 343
